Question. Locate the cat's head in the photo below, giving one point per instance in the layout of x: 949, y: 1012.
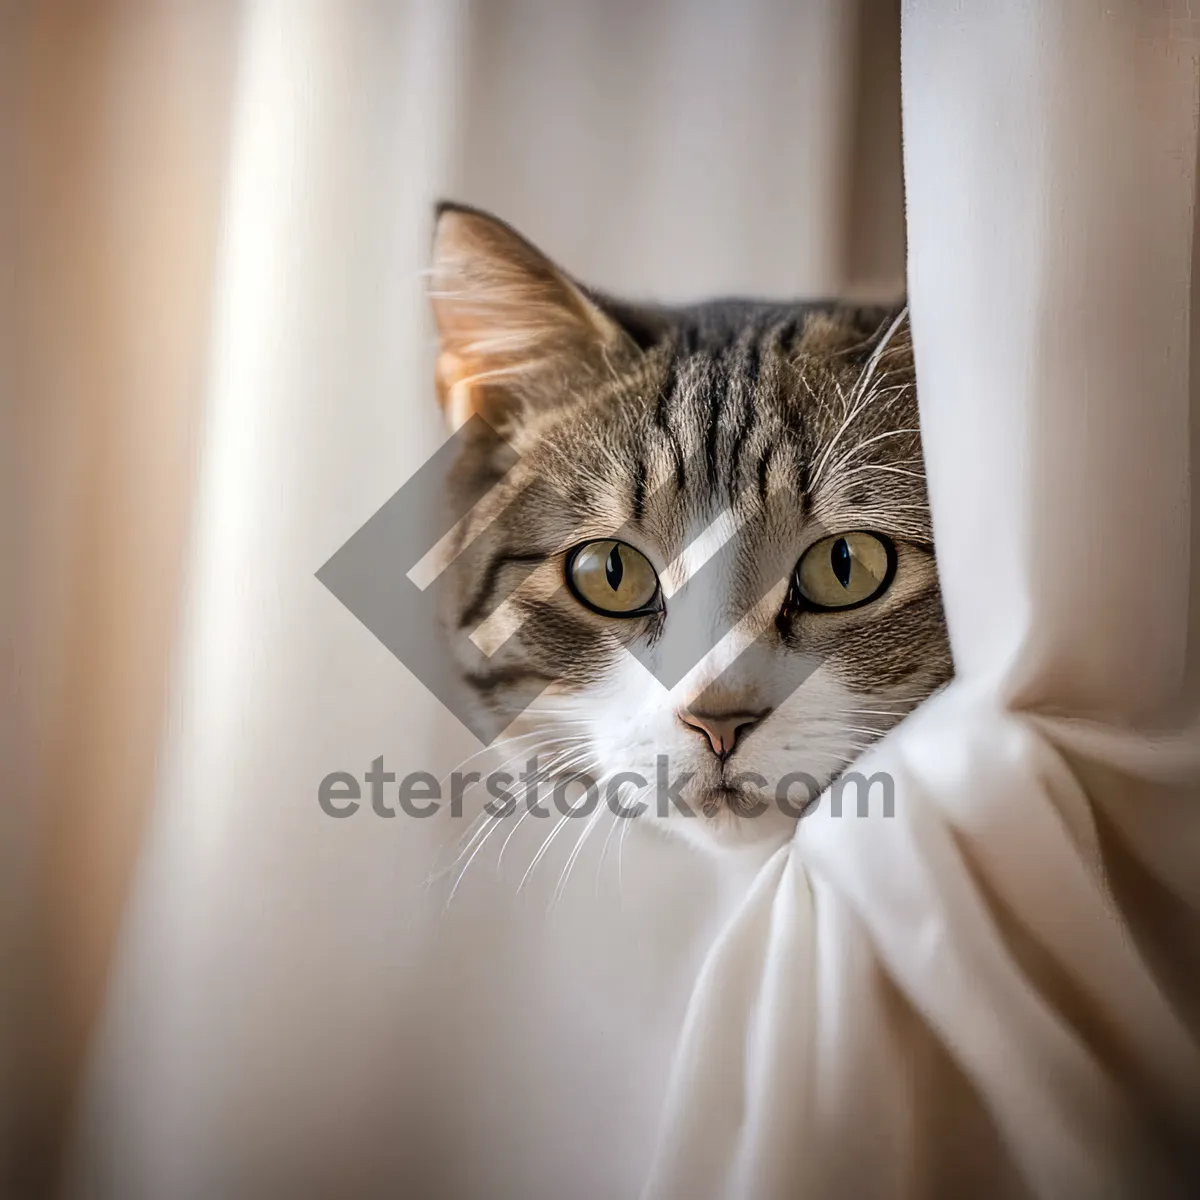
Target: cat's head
x: 698, y: 540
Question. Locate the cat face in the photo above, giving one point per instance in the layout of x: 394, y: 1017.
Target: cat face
x: 698, y: 550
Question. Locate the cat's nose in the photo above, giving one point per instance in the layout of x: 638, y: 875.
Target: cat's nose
x: 722, y: 730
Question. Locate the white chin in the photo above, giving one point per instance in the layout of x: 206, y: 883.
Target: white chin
x: 726, y: 831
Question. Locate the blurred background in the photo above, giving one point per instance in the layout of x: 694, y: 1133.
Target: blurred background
x: 216, y: 364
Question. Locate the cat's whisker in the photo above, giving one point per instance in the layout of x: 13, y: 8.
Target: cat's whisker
x: 619, y: 823
x: 552, y: 743
x: 476, y: 830
x: 860, y: 396
x: 841, y: 463
x: 530, y: 804
x: 888, y: 513
x: 561, y: 718
x: 517, y: 824
x: 818, y: 398
x: 479, y: 830
x: 511, y: 834
x: 873, y: 361
x: 473, y: 832
x: 560, y: 887
x: 496, y: 821
x: 541, y: 853
x: 493, y: 749
x: 492, y: 827
x: 613, y: 827
x: 903, y: 703
x: 887, y: 468
x: 621, y: 856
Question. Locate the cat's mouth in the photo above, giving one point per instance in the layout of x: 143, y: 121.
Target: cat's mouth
x: 729, y: 795
x: 731, y: 798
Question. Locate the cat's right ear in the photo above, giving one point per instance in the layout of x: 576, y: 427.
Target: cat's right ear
x: 515, y: 333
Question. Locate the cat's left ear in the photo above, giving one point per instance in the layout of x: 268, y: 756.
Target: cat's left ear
x: 516, y: 333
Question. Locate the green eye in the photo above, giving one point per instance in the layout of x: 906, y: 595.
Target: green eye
x: 613, y: 578
x: 846, y: 570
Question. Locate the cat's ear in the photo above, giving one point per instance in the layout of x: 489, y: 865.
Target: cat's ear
x: 515, y: 333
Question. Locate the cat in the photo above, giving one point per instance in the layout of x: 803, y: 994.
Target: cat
x: 696, y: 536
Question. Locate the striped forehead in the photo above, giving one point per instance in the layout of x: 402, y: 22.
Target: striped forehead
x: 728, y: 418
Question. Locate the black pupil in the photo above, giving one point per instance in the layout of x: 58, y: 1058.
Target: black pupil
x: 842, y: 561
x: 614, y: 568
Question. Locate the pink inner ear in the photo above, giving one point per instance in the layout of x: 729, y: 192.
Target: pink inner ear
x: 448, y: 370
x: 511, y: 325
x: 458, y: 398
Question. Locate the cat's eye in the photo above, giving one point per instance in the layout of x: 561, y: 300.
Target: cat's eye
x: 845, y: 570
x: 613, y: 578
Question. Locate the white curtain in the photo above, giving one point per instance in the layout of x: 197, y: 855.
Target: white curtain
x: 996, y: 991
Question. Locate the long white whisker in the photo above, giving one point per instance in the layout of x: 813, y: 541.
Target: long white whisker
x: 506, y: 744
x: 859, y: 396
x: 528, y: 811
x: 859, y: 446
x: 619, y: 822
x: 496, y: 821
x: 476, y: 828
x: 886, y: 468
x: 495, y: 824
x: 537, y: 858
x: 869, y: 712
x: 573, y: 857
x: 511, y: 833
x: 621, y: 858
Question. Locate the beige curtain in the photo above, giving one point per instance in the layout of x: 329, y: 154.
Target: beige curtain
x: 216, y: 367
x: 114, y: 132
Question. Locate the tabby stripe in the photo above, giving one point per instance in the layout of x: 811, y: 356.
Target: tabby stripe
x: 747, y: 423
x: 785, y: 335
x: 680, y: 470
x: 639, y: 490
x: 662, y: 420
x: 719, y: 395
x: 764, y: 466
x: 752, y: 363
x: 489, y: 681
x: 665, y: 393
x: 803, y: 481
x: 478, y: 606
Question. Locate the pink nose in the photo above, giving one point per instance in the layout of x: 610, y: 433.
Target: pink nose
x: 722, y: 730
